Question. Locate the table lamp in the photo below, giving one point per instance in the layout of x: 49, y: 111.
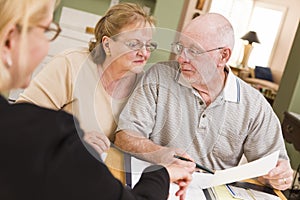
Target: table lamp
x: 250, y: 37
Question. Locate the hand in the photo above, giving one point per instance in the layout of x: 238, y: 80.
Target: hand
x: 166, y: 156
x: 281, y: 177
x: 97, y: 140
x: 181, y: 176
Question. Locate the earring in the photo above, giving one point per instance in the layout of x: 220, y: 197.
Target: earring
x: 8, y: 62
x: 108, y: 53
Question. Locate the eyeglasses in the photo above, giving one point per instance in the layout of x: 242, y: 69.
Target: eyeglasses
x: 178, y: 48
x: 52, y: 31
x: 136, y: 45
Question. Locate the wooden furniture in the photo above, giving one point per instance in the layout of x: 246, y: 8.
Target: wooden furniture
x: 278, y: 192
x: 291, y: 129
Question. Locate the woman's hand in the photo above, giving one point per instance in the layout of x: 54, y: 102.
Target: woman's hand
x: 97, y: 140
x: 181, y: 176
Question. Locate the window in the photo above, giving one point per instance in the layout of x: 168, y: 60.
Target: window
x: 250, y: 15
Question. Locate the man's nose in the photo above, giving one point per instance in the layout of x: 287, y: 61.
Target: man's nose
x: 143, y: 51
x: 183, y: 57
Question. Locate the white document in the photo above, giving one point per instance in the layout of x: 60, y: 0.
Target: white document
x: 137, y: 167
x: 192, y: 193
x: 252, y: 169
x: 205, y: 180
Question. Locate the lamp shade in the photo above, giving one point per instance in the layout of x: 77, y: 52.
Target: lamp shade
x: 251, y: 36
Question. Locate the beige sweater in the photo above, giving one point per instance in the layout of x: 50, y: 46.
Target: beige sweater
x: 70, y: 82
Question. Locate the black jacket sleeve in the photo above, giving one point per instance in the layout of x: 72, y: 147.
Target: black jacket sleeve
x: 42, y: 157
x: 75, y: 174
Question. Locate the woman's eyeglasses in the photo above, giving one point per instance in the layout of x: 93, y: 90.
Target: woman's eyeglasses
x: 138, y: 45
x: 52, y: 31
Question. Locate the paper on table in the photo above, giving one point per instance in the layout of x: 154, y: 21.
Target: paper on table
x: 252, y: 169
x: 191, y: 193
x: 137, y: 166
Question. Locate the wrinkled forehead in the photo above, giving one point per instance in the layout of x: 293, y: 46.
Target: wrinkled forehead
x: 134, y: 31
x: 189, y: 38
x: 200, y: 34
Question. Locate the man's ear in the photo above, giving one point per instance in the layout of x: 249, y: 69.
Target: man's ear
x: 224, y: 57
x: 226, y: 53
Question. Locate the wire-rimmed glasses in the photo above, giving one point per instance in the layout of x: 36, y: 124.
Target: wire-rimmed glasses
x: 192, y: 52
x: 136, y: 45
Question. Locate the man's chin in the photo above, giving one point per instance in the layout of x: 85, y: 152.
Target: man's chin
x: 138, y: 69
x: 188, y: 78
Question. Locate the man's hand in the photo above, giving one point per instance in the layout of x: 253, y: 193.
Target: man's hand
x: 165, y: 156
x: 281, y: 177
x: 97, y: 140
x: 145, y: 149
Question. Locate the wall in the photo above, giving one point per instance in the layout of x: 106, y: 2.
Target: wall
x: 94, y: 6
x: 288, y: 96
x: 166, y: 12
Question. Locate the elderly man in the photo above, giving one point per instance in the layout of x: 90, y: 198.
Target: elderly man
x: 197, y: 108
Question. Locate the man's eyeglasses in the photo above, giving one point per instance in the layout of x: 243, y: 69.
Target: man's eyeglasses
x: 138, y: 45
x: 52, y: 31
x: 178, y: 48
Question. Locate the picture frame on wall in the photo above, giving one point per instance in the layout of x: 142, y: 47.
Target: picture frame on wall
x: 200, y: 4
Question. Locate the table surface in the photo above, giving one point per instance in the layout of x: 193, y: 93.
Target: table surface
x: 278, y: 192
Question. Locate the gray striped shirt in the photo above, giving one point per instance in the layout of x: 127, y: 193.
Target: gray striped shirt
x: 171, y: 113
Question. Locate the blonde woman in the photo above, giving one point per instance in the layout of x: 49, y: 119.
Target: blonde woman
x: 42, y: 156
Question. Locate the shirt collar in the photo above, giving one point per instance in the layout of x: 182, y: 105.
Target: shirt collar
x: 232, y: 87
x: 231, y: 90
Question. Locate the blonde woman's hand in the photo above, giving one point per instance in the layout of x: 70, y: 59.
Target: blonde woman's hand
x: 180, y: 176
x: 97, y: 140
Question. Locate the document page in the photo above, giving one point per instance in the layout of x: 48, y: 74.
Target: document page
x: 191, y: 194
x: 204, y: 180
x: 137, y: 167
x: 249, y: 170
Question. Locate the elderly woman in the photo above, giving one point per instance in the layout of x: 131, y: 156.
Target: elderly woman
x: 94, y: 84
x: 42, y: 156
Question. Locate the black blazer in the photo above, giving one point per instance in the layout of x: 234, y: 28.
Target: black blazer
x: 42, y: 157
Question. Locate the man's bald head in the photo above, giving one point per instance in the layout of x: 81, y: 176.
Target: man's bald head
x: 210, y: 30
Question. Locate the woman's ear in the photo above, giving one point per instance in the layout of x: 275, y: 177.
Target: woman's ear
x: 8, y: 43
x: 105, y: 42
x: 105, y: 45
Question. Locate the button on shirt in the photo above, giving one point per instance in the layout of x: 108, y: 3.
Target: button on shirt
x: 168, y: 111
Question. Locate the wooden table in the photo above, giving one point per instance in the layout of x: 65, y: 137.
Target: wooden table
x: 278, y: 192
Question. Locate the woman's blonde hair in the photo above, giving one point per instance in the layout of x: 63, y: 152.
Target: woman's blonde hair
x: 24, y: 13
x: 116, y: 18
